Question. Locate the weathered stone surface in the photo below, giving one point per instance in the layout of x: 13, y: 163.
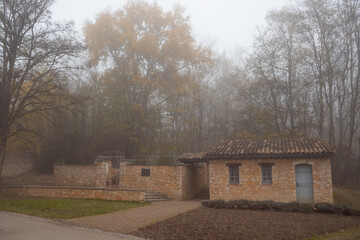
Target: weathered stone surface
x: 177, y: 182
x: 283, y: 187
x: 96, y: 175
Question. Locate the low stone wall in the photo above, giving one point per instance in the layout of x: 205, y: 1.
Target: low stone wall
x: 96, y: 175
x: 75, y: 192
x: 177, y: 182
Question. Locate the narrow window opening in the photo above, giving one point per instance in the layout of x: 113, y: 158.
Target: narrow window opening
x: 234, y: 174
x: 266, y: 174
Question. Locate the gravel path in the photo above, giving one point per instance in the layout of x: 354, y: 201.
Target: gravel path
x: 132, y: 219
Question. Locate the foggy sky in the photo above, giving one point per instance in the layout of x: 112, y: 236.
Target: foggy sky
x: 226, y: 24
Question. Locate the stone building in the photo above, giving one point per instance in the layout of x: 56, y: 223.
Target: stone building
x: 282, y: 170
x: 181, y: 182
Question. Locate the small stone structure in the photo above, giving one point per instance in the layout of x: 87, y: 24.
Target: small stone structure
x: 282, y: 170
x: 177, y: 182
x: 269, y: 170
x: 283, y: 186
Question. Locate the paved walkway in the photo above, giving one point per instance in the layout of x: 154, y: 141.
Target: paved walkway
x: 130, y: 220
x: 16, y: 226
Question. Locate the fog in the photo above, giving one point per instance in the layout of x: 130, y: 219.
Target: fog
x: 152, y: 79
x: 226, y: 24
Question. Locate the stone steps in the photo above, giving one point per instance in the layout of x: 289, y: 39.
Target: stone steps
x: 204, y: 194
x: 155, y: 197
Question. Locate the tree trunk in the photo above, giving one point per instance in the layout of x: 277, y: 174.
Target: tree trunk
x: 2, y: 162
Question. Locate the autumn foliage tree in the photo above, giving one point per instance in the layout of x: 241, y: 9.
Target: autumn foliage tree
x: 148, y: 58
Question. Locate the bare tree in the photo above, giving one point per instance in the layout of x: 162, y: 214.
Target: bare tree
x: 33, y: 55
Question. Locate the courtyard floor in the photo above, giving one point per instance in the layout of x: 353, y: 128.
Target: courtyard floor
x: 132, y: 219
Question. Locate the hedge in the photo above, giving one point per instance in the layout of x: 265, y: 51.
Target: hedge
x: 285, y: 207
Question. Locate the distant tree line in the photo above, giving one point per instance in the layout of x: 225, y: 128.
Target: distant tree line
x: 141, y: 84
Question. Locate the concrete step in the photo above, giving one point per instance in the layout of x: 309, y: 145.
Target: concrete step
x: 156, y: 200
x: 155, y: 197
x: 204, y: 194
x: 203, y: 197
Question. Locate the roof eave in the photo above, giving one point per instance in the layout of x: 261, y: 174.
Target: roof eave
x: 271, y: 156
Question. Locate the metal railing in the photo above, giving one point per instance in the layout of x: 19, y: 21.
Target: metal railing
x: 148, y: 160
x: 113, y: 156
x: 154, y: 160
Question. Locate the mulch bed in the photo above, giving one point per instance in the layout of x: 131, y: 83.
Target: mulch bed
x: 208, y: 223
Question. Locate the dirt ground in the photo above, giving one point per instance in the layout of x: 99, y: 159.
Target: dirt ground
x: 207, y: 223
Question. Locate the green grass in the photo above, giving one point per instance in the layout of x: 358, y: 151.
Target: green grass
x: 347, y: 233
x: 63, y: 208
x: 347, y: 196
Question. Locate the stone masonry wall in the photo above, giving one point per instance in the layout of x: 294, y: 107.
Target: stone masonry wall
x: 76, y: 192
x: 193, y: 181
x: 283, y: 187
x: 204, y: 175
x: 96, y: 175
x: 163, y: 179
x: 177, y: 182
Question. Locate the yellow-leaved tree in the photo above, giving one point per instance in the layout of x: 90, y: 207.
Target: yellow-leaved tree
x: 148, y: 58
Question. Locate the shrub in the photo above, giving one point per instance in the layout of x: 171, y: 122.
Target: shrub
x: 306, y: 208
x: 231, y: 205
x: 241, y: 204
x: 286, y: 207
x: 217, y: 204
x: 354, y: 212
x: 290, y: 207
x: 264, y: 205
x: 276, y: 206
x: 345, y: 210
x: 324, y: 208
x: 339, y: 209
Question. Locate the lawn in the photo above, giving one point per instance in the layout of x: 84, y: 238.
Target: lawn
x: 63, y: 208
x: 347, y: 234
x: 347, y: 196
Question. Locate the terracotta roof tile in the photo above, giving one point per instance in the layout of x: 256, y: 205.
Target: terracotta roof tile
x: 260, y: 148
x: 243, y: 148
x: 192, y: 157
